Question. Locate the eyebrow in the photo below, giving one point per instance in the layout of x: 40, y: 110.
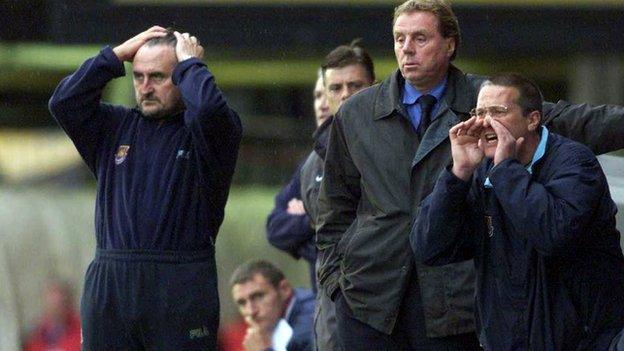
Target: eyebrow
x: 416, y: 32
x: 151, y: 74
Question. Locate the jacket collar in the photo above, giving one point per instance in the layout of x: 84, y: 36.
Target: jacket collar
x: 459, y: 95
x: 388, y: 99
x: 321, y: 137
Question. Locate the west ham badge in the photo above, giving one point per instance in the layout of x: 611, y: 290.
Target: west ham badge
x: 121, y: 154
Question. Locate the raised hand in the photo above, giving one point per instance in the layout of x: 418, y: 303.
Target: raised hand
x: 256, y: 339
x: 187, y: 46
x: 127, y: 50
x: 465, y: 147
x: 507, y: 145
x: 295, y: 207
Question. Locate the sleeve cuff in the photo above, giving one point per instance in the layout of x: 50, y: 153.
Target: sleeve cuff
x: 181, y: 67
x: 453, y: 183
x: 117, y: 66
x: 502, y: 168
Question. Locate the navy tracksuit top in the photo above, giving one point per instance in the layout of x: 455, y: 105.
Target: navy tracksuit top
x: 161, y: 184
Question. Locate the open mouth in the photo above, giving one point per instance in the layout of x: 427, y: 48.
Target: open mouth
x: 490, y: 137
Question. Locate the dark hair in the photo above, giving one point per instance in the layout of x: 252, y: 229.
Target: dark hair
x: 168, y: 39
x: 248, y: 270
x: 447, y: 21
x: 529, y: 99
x: 347, y: 55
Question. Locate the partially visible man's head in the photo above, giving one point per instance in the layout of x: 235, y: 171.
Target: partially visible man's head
x: 426, y: 38
x: 261, y: 293
x: 347, y: 70
x: 156, y: 95
x: 529, y: 95
x: 516, y: 103
x: 321, y: 107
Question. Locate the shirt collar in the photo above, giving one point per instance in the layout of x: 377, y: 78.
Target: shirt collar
x: 541, y: 149
x: 289, y: 309
x: 411, y: 94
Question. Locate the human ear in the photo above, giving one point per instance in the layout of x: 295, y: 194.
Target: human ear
x: 450, y: 47
x: 534, y: 120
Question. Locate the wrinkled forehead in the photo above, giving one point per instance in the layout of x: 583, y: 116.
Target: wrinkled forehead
x: 416, y: 21
x: 497, y: 95
x: 249, y: 287
x: 158, y: 57
x: 349, y: 73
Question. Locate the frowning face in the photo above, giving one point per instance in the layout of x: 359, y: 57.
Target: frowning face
x: 156, y: 95
x: 260, y: 303
x: 342, y: 82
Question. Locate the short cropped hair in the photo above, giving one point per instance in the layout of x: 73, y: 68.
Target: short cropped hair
x: 168, y: 39
x: 347, y: 55
x: 447, y: 21
x: 529, y: 99
x: 248, y: 270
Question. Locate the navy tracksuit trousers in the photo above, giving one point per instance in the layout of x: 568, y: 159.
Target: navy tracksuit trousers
x: 150, y: 300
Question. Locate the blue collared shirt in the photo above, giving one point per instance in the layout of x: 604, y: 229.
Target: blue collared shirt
x: 410, y: 98
x: 539, y: 153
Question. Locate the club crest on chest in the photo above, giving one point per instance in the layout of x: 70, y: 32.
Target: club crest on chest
x: 121, y: 154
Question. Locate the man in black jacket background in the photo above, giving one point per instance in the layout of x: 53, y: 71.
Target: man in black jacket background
x: 347, y: 70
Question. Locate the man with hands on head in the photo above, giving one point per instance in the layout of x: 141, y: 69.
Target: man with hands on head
x: 534, y: 211
x: 163, y: 172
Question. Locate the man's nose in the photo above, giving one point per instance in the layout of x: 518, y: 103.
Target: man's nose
x: 347, y: 91
x: 408, y: 46
x: 247, y: 310
x: 145, y: 87
x: 253, y: 309
x: 324, y: 104
x: 344, y: 93
x: 487, y: 119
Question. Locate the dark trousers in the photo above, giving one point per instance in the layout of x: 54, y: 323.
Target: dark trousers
x: 135, y: 301
x: 409, y: 332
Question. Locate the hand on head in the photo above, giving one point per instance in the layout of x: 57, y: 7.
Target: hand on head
x: 127, y: 50
x: 187, y: 46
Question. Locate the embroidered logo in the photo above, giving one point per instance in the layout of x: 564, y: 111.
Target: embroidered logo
x: 319, y: 178
x: 121, y: 154
x: 183, y: 154
x: 199, y: 332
